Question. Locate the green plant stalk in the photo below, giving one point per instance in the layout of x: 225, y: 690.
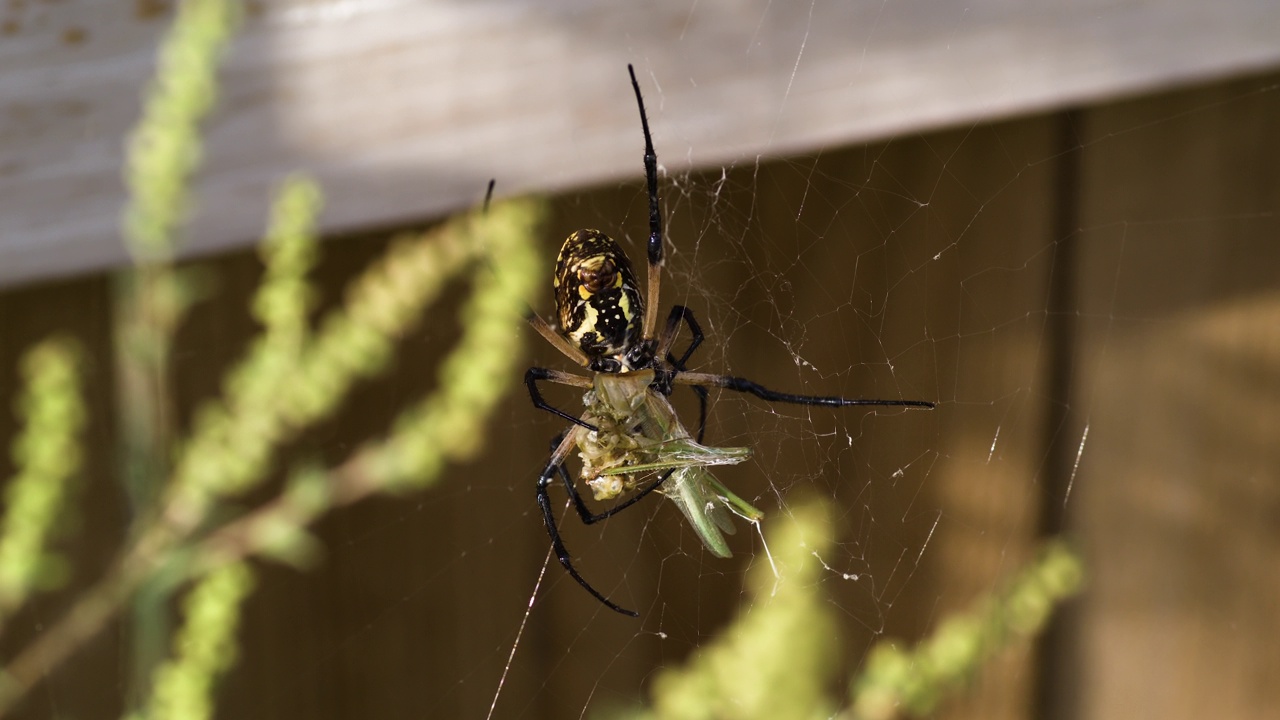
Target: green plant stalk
x: 481, y: 368
x: 234, y: 436
x: 913, y: 681
x: 285, y: 299
x: 165, y: 147
x: 163, y: 153
x: 354, y: 342
x: 47, y: 455
x: 204, y: 649
x: 777, y: 660
x: 445, y: 427
x: 234, y: 441
x: 143, y: 443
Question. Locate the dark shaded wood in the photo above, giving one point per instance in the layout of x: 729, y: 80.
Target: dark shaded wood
x: 1178, y: 491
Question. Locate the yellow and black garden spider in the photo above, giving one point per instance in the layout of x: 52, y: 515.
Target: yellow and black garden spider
x: 629, y: 431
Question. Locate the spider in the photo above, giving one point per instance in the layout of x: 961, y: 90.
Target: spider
x: 629, y: 430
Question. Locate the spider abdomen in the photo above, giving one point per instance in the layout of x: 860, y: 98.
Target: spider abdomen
x: 600, y: 307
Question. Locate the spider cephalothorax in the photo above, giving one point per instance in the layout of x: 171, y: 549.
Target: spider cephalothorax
x: 599, y: 305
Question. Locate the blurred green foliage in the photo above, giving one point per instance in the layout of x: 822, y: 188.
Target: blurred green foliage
x: 779, y: 659
x: 204, y: 648
x: 192, y: 526
x: 166, y: 147
x: 47, y: 456
x: 914, y: 680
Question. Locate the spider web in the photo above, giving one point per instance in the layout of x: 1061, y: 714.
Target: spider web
x: 1016, y: 273
x: 798, y: 273
x: 973, y: 267
x: 1069, y: 288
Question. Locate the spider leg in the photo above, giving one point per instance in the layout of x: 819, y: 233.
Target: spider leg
x: 557, y: 543
x: 557, y: 340
x: 488, y: 195
x: 702, y: 410
x: 531, y: 378
x: 738, y: 384
x: 678, y: 313
x: 744, y: 385
x: 562, y: 553
x: 585, y: 513
x: 655, y: 216
x: 535, y: 320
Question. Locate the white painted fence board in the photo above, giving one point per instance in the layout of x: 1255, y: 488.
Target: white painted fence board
x: 404, y: 108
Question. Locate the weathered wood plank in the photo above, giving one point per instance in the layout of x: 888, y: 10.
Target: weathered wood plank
x: 1178, y: 488
x: 405, y: 109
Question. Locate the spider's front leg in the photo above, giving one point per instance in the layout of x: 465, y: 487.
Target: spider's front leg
x: 663, y: 384
x: 743, y: 385
x: 531, y: 378
x: 680, y: 313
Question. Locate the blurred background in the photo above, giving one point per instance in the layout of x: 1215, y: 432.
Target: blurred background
x: 1058, y: 223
